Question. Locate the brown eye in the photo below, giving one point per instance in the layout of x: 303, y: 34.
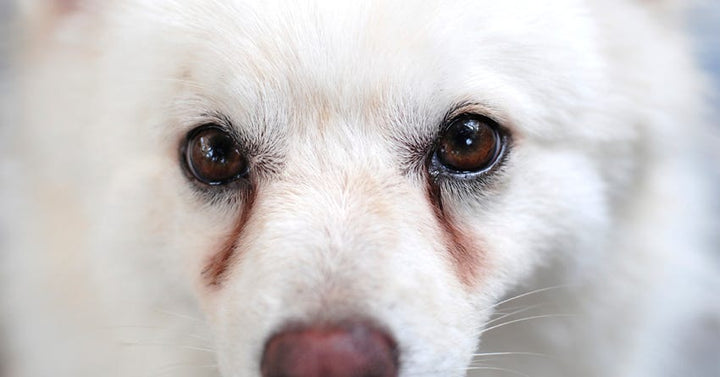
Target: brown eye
x: 213, y: 156
x: 470, y: 144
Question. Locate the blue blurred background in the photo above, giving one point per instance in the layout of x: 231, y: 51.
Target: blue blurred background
x: 705, y: 23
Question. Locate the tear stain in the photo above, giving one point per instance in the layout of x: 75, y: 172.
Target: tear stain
x: 216, y: 270
x: 466, y: 256
x: 66, y: 6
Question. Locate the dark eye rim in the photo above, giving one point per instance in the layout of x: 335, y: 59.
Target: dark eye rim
x: 188, y: 166
x: 436, y: 168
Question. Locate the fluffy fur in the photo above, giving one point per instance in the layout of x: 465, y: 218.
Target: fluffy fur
x: 588, y: 253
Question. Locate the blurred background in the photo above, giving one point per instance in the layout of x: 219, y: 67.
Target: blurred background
x: 705, y: 23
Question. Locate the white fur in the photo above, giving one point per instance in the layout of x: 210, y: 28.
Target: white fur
x: 603, y: 209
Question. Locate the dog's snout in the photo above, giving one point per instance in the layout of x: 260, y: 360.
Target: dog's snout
x: 348, y: 350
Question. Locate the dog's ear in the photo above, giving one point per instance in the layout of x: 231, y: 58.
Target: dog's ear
x: 45, y: 15
x: 39, y: 20
x: 49, y: 8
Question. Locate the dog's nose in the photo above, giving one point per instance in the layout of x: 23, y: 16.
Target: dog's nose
x: 347, y: 350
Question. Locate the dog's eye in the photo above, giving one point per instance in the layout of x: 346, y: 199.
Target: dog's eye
x: 213, y: 156
x: 470, y: 144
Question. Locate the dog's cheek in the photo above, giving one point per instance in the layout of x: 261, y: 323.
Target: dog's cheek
x: 550, y: 202
x: 152, y: 235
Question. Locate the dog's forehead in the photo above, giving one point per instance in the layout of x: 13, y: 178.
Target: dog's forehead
x: 368, y: 59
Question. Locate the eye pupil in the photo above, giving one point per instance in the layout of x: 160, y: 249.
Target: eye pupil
x: 470, y: 144
x: 215, y: 148
x: 214, y: 157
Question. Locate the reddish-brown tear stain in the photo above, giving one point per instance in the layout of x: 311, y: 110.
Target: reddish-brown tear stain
x: 65, y: 6
x: 464, y: 251
x: 217, y: 267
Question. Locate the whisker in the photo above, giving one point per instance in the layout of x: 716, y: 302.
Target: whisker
x: 522, y: 310
x: 507, y: 310
x: 511, y: 371
x: 511, y: 354
x: 112, y: 327
x: 180, y: 315
x: 199, y: 337
x: 158, y: 328
x: 524, y: 320
x: 171, y: 367
x: 475, y: 366
x: 536, y: 291
x: 182, y: 346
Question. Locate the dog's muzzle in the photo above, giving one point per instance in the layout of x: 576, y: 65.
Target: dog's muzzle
x: 353, y: 349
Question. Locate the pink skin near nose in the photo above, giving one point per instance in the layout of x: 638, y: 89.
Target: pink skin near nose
x: 348, y: 350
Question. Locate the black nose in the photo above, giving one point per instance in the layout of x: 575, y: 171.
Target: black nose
x: 348, y: 350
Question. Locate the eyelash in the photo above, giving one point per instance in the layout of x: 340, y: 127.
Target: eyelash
x: 473, y: 186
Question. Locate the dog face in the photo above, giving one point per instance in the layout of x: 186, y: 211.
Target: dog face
x: 323, y: 167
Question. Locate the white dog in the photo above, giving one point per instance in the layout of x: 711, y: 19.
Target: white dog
x: 356, y: 189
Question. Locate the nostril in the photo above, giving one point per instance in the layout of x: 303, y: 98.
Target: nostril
x: 346, y: 350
